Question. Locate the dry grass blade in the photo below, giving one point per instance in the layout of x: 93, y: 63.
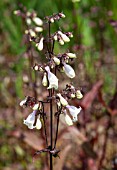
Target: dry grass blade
x: 90, y: 96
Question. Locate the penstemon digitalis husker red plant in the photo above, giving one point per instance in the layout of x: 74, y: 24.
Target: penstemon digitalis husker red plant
x: 55, y: 63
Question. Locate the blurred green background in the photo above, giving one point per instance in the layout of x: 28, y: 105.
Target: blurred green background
x: 94, y: 42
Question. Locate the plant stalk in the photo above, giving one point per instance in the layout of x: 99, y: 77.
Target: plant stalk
x: 51, y: 130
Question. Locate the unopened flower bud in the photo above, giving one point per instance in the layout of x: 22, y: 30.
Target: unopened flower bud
x: 23, y: 102
x: 38, y: 21
x: 40, y: 44
x: 36, y: 106
x: 16, y: 12
x: 61, y: 42
x: 61, y: 15
x: 36, y: 68
x: 55, y: 37
x: 28, y: 21
x: 72, y: 95
x: 45, y: 81
x: 62, y: 100
x: 56, y: 60
x: 32, y: 33
x: 52, y: 20
x: 68, y: 120
x: 71, y: 55
x: 38, y: 29
x: 26, y: 31
x: 64, y: 37
x: 28, y: 14
x: 38, y: 123
x: 69, y: 34
x: 79, y: 94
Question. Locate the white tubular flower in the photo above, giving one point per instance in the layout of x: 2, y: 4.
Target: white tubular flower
x: 38, y: 123
x: 44, y: 80
x: 56, y: 60
x: 79, y: 94
x: 30, y: 120
x: 53, y: 80
x: 64, y: 37
x: 69, y: 71
x: 38, y: 29
x: 62, y: 100
x: 36, y: 106
x: 68, y: 120
x: 71, y: 55
x: 74, y: 111
x: 38, y: 21
x: 40, y: 44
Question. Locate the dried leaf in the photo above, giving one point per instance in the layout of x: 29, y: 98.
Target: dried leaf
x: 112, y: 107
x: 29, y: 138
x: 90, y: 96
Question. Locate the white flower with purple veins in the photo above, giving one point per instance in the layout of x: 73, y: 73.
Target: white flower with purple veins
x: 53, y: 80
x: 40, y: 44
x: 69, y: 71
x: 74, y: 111
x: 30, y: 120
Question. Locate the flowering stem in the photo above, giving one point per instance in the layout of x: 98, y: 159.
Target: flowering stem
x: 44, y: 126
x: 51, y: 108
x: 51, y: 128
x: 56, y: 130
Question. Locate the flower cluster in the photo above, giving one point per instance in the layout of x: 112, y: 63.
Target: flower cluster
x: 33, y: 120
x: 56, y: 63
x: 62, y: 37
x: 55, y: 17
x: 33, y: 22
x: 70, y: 92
